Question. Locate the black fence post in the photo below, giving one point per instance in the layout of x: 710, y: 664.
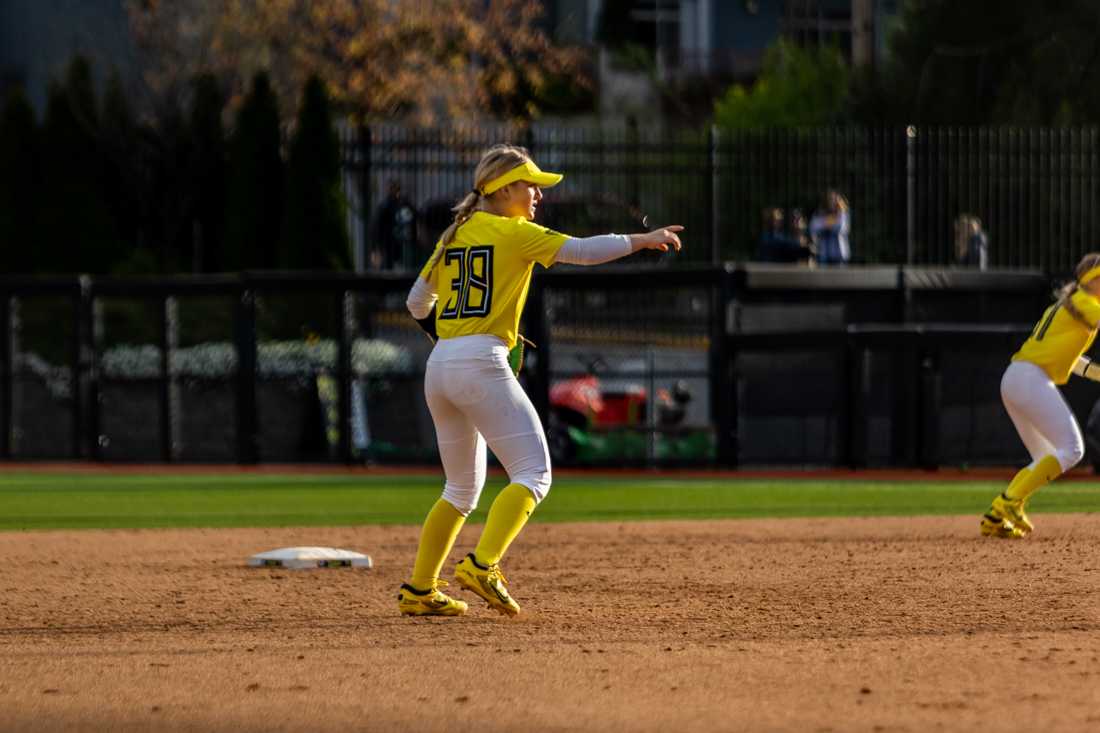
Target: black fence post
x: 713, y: 196
x: 344, y: 374
x: 169, y: 340
x: 910, y: 193
x: 7, y: 376
x: 931, y: 405
x: 244, y: 336
x: 634, y: 168
x: 87, y: 338
x: 723, y: 386
x: 851, y: 407
x: 903, y: 421
x: 538, y: 332
x: 365, y: 203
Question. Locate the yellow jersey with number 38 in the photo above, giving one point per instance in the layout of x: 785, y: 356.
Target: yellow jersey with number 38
x: 1059, y: 339
x: 483, y: 275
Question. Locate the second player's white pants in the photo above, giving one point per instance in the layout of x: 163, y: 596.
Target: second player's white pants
x: 475, y: 399
x: 1041, y: 416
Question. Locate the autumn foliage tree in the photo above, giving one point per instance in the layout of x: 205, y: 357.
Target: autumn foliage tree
x: 417, y: 60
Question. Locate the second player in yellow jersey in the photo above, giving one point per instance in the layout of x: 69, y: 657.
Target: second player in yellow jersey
x: 1062, y: 335
x: 1029, y: 389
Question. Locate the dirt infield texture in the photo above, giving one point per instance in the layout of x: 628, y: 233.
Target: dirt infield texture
x: 788, y: 625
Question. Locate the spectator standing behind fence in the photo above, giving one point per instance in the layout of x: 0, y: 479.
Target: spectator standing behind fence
x: 800, y: 230
x: 470, y: 295
x: 829, y: 230
x: 776, y: 245
x: 1029, y: 390
x: 394, y: 231
x: 971, y: 242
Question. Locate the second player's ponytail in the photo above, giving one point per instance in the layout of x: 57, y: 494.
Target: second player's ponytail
x: 496, y: 161
x: 1065, y: 293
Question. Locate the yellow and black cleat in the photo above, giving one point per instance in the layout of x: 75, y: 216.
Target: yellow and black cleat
x: 1013, y: 511
x: 999, y: 527
x: 488, y: 582
x: 432, y: 602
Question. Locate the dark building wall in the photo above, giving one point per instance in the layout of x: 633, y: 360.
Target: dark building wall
x: 737, y: 28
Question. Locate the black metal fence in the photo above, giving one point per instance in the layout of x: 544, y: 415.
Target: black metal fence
x: 909, y: 189
x: 731, y: 365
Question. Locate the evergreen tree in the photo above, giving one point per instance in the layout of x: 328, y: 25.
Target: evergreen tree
x: 315, y: 234
x: 171, y: 198
x: 122, y: 166
x: 78, y: 234
x: 208, y: 170
x: 19, y: 185
x: 254, y: 198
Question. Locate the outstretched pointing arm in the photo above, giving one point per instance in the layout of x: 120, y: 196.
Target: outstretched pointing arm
x: 608, y: 247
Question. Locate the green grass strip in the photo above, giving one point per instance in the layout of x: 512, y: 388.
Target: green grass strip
x: 56, y: 501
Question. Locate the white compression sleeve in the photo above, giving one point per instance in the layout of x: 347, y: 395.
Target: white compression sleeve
x: 1084, y: 367
x: 421, y: 299
x: 594, y: 250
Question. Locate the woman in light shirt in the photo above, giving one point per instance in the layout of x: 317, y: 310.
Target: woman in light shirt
x: 829, y: 230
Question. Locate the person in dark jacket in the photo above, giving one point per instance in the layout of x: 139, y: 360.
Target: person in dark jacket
x: 776, y: 245
x: 971, y: 242
x: 395, y: 231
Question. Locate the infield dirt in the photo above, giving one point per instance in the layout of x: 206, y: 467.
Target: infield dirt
x: 800, y: 625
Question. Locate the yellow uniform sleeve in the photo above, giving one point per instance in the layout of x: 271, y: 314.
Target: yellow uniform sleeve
x: 536, y: 242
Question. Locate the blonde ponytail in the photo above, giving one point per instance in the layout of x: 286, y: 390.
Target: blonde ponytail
x: 495, y: 162
x: 1065, y: 293
x: 463, y: 211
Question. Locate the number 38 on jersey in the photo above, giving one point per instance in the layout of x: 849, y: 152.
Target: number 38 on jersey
x: 471, y: 272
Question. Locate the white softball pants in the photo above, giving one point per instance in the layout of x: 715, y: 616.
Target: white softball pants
x: 475, y: 399
x: 1041, y: 416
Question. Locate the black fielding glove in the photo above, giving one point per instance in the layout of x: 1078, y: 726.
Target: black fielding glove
x: 427, y: 324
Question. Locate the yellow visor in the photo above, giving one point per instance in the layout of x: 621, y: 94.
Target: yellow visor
x: 526, y: 172
x: 1090, y: 275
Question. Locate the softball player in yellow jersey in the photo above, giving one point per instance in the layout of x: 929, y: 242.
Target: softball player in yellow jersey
x: 476, y: 281
x: 1029, y: 390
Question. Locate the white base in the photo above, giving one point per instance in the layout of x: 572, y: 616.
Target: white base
x: 300, y: 558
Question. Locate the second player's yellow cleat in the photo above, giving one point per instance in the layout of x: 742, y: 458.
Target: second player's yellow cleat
x: 998, y: 527
x: 431, y: 602
x: 1013, y: 511
x: 486, y: 581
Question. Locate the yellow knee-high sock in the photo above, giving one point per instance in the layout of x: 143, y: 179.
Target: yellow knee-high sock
x: 1030, y: 480
x: 507, y: 515
x: 436, y: 540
